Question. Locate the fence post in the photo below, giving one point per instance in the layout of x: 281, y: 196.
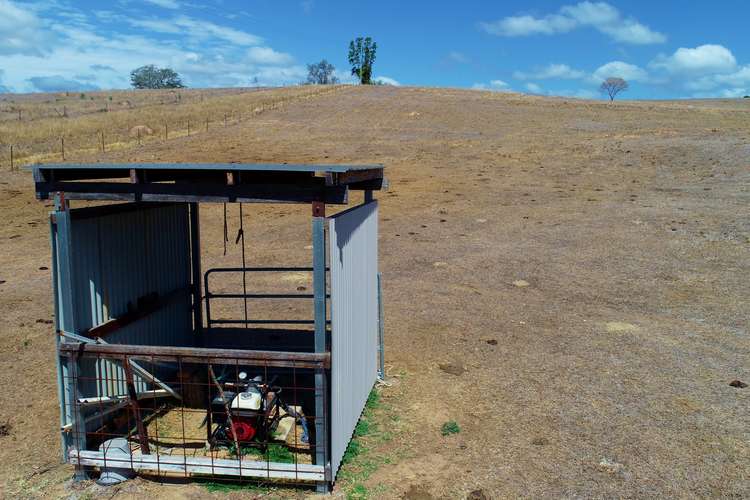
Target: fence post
x: 101, y: 132
x: 188, y: 128
x: 11, y: 157
x: 166, y: 131
x: 62, y: 147
x: 206, y: 118
x: 138, y: 134
x: 225, y: 119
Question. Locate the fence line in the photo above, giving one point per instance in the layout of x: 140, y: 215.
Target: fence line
x: 16, y: 160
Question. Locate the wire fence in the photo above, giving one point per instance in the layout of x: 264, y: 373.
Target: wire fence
x: 193, y: 413
x: 62, y: 138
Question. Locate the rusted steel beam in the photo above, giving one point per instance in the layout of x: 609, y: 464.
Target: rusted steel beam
x: 136, y: 408
x: 201, y: 354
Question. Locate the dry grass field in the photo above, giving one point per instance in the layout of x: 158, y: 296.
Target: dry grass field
x: 55, y: 127
x: 566, y: 280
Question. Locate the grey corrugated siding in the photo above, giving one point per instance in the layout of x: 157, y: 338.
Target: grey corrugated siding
x: 354, y: 320
x: 116, y: 258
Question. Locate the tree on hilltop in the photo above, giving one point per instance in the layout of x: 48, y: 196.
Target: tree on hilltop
x: 362, y: 57
x: 151, y: 77
x: 321, y: 73
x: 613, y: 86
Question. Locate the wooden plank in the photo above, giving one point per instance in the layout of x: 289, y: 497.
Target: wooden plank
x: 199, y: 465
x: 157, y: 393
x: 148, y: 308
x: 357, y: 176
x: 142, y: 372
x: 202, y: 354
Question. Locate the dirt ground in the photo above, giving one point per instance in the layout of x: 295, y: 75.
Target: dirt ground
x: 567, y: 280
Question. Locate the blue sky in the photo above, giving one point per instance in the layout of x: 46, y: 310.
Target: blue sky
x: 665, y: 49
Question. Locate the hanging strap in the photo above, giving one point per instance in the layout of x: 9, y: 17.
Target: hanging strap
x: 241, y: 237
x: 226, y: 230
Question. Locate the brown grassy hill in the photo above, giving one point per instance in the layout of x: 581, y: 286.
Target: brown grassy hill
x: 566, y: 280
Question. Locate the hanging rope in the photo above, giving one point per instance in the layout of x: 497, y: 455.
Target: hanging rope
x: 241, y: 237
x: 226, y: 230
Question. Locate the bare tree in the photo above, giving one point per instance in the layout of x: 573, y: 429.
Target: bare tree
x: 321, y: 73
x: 613, y: 86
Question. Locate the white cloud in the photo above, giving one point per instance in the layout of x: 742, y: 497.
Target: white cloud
x: 534, y: 88
x: 21, y: 31
x: 737, y: 82
x: 494, y: 85
x: 457, y: 57
x: 57, y: 83
x: 166, y: 4
x: 528, y: 25
x: 196, y: 29
x: 620, y: 69
x: 83, y: 50
x: 578, y: 93
x: 551, y: 71
x: 699, y: 60
x: 385, y: 80
x: 739, y: 77
x: 599, y: 15
x: 266, y: 55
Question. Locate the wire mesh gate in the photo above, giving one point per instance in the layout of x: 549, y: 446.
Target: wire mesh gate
x: 197, y: 428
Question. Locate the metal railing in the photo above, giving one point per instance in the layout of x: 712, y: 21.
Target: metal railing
x: 209, y: 295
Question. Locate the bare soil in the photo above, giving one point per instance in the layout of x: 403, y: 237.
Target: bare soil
x: 586, y: 265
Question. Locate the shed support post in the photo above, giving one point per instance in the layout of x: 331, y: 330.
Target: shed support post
x: 368, y: 195
x: 195, y: 265
x: 79, y: 425
x: 319, y: 294
x: 381, y: 333
x: 64, y: 320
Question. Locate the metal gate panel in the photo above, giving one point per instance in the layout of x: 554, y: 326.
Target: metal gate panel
x: 108, y: 257
x: 353, y: 255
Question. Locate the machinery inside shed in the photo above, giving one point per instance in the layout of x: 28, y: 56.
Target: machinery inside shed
x: 158, y: 375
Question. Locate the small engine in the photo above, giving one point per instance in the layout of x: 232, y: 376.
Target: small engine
x: 255, y: 411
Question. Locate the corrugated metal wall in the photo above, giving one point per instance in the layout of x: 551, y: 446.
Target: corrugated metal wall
x: 116, y: 255
x: 353, y: 253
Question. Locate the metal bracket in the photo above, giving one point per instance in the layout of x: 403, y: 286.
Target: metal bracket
x: 318, y: 209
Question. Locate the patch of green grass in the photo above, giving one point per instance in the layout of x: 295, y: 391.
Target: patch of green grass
x: 358, y: 492
x: 279, y: 453
x: 360, y: 461
x: 352, y: 451
x: 363, y: 428
x: 373, y: 401
x: 450, y: 427
x: 213, y: 486
x: 275, y: 453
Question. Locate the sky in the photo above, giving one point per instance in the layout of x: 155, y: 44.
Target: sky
x: 663, y: 48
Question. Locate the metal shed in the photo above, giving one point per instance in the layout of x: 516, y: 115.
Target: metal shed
x: 142, y: 330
